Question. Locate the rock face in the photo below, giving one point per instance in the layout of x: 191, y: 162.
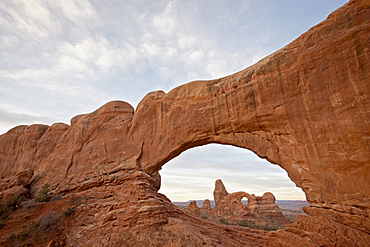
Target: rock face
x: 304, y: 107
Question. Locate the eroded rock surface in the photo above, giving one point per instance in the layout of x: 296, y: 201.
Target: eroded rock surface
x: 229, y: 207
x: 232, y: 203
x: 304, y: 107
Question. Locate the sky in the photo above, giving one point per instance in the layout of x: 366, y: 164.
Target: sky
x: 62, y: 58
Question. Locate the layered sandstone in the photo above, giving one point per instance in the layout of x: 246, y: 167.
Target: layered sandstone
x: 304, y: 107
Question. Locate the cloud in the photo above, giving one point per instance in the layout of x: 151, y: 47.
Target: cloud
x: 11, y: 119
x: 157, y: 50
x: 165, y: 22
x: 76, y: 11
x: 28, y: 18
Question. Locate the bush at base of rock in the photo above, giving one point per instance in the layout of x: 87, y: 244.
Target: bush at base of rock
x: 44, y: 194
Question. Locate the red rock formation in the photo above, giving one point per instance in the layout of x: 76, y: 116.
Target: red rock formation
x: 228, y: 203
x: 24, y: 176
x: 304, y: 107
x: 206, y: 207
x: 220, y: 192
x: 265, y: 206
x: 231, y: 204
x: 193, y: 208
x: 18, y: 186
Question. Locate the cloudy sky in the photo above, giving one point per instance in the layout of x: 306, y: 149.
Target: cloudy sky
x: 61, y: 58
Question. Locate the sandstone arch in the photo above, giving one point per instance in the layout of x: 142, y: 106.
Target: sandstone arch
x: 304, y: 107
x: 293, y: 108
x: 223, y: 200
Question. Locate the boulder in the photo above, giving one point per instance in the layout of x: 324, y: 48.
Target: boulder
x: 24, y: 177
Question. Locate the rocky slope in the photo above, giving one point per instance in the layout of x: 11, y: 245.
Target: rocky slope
x: 304, y: 107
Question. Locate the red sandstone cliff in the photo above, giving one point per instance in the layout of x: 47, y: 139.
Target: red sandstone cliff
x: 304, y: 107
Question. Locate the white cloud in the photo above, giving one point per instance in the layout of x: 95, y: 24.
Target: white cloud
x: 11, y: 119
x: 196, y: 57
x: 9, y: 41
x: 165, y: 22
x: 187, y: 41
x: 28, y: 18
x: 216, y: 68
x: 76, y: 10
x: 90, y: 57
x: 150, y: 49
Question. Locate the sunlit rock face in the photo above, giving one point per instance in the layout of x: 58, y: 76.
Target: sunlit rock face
x: 304, y: 107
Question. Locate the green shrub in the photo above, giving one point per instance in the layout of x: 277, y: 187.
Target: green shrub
x: 270, y: 227
x: 253, y: 225
x: 22, y: 236
x: 223, y: 221
x: 11, y: 237
x: 4, y: 212
x: 11, y: 204
x: 15, y: 202
x: 49, y: 221
x: 247, y: 223
x: 68, y: 212
x: 44, y: 194
x: 19, y: 239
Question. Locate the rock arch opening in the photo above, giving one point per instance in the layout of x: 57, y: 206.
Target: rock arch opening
x: 191, y: 175
x: 245, y: 201
x: 194, y: 178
